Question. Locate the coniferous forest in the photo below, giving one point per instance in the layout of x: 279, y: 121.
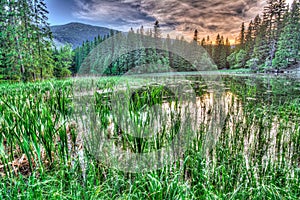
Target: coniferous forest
x: 144, y: 114
x: 270, y: 42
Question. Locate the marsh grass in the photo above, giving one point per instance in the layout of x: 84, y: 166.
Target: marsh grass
x: 254, y: 154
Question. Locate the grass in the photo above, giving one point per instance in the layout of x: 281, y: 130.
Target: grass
x: 253, y: 154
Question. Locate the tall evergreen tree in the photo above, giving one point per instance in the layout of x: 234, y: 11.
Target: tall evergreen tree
x: 203, y: 42
x: 256, y: 26
x: 273, y: 19
x: 219, y: 52
x: 249, y: 40
x: 209, y: 46
x: 42, y: 38
x: 195, y: 39
x: 242, y: 37
x: 26, y: 41
x: 227, y: 51
x: 157, y: 31
x: 289, y: 41
x: 261, y: 49
x: 2, y: 35
x: 63, y: 61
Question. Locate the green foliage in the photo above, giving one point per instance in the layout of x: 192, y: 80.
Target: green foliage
x: 253, y: 64
x: 260, y: 47
x: 231, y: 59
x: 242, y: 38
x: 82, y: 52
x: 241, y: 59
x: 220, y: 52
x: 108, y: 57
x: 63, y: 61
x: 289, y: 45
x: 237, y: 59
x: 26, y: 41
x: 269, y: 43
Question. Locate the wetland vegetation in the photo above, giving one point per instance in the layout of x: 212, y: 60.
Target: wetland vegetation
x: 245, y: 144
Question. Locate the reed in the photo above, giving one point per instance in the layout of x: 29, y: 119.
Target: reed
x: 253, y: 153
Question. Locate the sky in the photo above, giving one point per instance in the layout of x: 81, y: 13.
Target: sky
x: 176, y: 17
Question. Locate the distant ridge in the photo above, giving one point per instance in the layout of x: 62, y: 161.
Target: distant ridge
x: 76, y: 33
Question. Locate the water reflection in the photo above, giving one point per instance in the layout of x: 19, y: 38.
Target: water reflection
x: 236, y: 123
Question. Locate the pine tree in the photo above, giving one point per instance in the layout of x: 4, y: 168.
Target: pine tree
x: 15, y: 41
x: 219, y: 52
x: 261, y: 49
x: 42, y: 39
x: 256, y: 26
x: 157, y: 31
x: 273, y: 19
x: 209, y: 46
x: 63, y: 61
x: 203, y: 42
x: 227, y: 51
x: 249, y: 43
x: 242, y: 37
x: 223, y: 56
x: 26, y: 41
x: 2, y: 36
x: 170, y: 54
x: 288, y: 45
x: 195, y: 39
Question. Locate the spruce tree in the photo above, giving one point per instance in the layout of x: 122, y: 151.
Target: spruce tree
x: 219, y: 52
x: 157, y: 31
x: 289, y: 45
x: 2, y: 36
x: 242, y: 37
x: 249, y: 42
x: 227, y: 51
x: 195, y: 39
x: 26, y: 41
x: 209, y: 46
x: 63, y: 61
x: 203, y: 42
x: 42, y: 39
x: 273, y: 19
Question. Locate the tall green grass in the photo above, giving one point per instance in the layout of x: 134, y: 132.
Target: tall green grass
x: 253, y: 153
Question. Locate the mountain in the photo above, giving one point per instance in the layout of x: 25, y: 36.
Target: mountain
x: 76, y: 33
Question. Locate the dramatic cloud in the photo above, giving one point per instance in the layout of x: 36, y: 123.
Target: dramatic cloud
x: 117, y: 13
x: 179, y: 17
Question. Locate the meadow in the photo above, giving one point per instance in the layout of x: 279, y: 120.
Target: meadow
x: 231, y: 136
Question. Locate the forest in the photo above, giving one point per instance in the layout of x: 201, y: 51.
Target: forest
x: 269, y: 43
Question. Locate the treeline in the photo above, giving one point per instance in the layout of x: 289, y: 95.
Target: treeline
x: 271, y: 42
x: 218, y: 51
x: 26, y: 49
x: 140, y: 52
x: 82, y: 52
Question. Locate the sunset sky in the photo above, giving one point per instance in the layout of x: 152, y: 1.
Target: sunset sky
x: 177, y: 17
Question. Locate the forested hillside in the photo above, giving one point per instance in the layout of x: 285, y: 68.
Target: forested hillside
x: 77, y: 33
x: 270, y: 42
